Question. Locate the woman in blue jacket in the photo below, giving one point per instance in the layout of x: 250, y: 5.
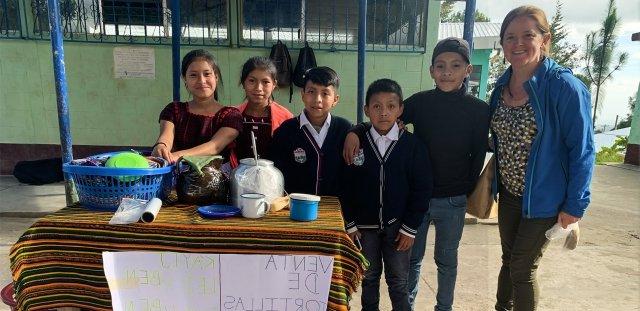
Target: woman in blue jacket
x: 543, y: 137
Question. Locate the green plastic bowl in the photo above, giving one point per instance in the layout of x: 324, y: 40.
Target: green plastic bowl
x: 127, y: 160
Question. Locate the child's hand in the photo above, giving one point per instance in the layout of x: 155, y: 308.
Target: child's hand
x: 404, y: 242
x: 355, y: 237
x: 175, y: 157
x: 400, y: 124
x: 162, y: 151
x: 351, y: 147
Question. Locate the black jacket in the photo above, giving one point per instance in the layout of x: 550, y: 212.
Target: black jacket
x: 455, y: 128
x: 316, y: 170
x: 387, y: 188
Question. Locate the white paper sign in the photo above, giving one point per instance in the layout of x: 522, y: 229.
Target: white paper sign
x: 163, y: 280
x: 135, y: 62
x: 275, y: 282
x: 187, y: 281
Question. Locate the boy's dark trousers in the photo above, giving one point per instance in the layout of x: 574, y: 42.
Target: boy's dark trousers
x: 523, y: 242
x: 379, y: 246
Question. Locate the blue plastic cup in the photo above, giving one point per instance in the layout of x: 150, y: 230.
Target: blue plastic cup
x: 303, y: 207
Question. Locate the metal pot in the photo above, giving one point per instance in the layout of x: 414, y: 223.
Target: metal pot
x: 263, y: 178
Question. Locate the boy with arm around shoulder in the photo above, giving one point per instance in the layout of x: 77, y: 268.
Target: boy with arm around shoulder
x: 307, y: 148
x: 386, y: 195
x: 454, y: 126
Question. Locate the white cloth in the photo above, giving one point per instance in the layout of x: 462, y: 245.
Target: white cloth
x: 319, y: 137
x: 384, y: 141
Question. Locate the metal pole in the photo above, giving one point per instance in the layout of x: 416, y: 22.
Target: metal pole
x: 362, y: 45
x: 61, y: 96
x: 469, y: 19
x: 175, y: 47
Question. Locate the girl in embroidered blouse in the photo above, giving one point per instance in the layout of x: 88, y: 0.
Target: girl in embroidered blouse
x: 201, y: 126
x: 261, y: 114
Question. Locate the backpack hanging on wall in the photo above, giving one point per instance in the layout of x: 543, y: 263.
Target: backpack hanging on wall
x: 306, y: 60
x: 281, y: 58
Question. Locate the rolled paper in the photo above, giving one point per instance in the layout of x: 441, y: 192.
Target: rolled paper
x: 151, y: 210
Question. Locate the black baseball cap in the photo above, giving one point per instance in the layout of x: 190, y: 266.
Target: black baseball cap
x: 451, y: 44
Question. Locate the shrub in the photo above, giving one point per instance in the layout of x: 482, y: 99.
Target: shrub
x: 614, y: 153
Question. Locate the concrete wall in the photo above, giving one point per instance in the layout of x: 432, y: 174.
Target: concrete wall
x: 109, y: 111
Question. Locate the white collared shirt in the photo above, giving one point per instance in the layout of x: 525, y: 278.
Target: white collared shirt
x: 319, y: 137
x: 384, y: 141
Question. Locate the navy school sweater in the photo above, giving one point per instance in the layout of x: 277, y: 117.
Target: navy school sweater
x: 307, y: 168
x: 455, y: 128
x: 388, y: 188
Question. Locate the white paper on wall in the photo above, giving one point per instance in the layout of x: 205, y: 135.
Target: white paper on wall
x: 134, y: 62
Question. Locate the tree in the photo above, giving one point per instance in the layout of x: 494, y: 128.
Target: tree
x: 599, y: 54
x: 447, y: 15
x: 563, y: 52
x: 478, y: 17
x: 497, y: 66
x: 626, y: 122
x: 446, y: 9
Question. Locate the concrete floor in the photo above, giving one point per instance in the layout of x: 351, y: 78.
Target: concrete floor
x: 602, y: 273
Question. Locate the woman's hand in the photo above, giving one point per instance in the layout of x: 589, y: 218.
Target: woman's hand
x: 565, y: 219
x: 351, y: 147
x: 404, y: 242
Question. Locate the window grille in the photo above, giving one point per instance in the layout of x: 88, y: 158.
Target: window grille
x: 392, y: 25
x: 9, y: 19
x: 203, y: 22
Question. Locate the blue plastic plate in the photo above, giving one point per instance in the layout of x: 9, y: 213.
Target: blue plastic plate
x: 218, y: 211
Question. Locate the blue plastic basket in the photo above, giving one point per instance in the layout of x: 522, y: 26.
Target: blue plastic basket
x: 102, y: 188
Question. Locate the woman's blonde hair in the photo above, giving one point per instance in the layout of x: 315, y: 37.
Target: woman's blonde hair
x: 533, y: 12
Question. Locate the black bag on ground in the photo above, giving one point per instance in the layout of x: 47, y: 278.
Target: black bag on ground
x: 282, y: 59
x: 306, y: 61
x: 39, y: 172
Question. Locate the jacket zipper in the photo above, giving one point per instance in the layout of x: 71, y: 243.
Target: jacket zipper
x: 534, y: 154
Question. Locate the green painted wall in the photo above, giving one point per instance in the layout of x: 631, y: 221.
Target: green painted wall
x: 481, y: 58
x: 109, y: 111
x: 634, y: 136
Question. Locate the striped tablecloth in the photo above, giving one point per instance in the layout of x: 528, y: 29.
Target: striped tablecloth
x: 57, y: 262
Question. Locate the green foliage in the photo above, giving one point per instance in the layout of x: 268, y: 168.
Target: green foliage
x: 626, y: 122
x: 613, y: 154
x: 458, y: 17
x: 599, y: 54
x: 497, y: 66
x: 584, y: 79
x: 563, y: 52
x: 446, y: 9
x: 447, y: 15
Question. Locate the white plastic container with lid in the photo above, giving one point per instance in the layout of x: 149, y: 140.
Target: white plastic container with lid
x: 263, y: 178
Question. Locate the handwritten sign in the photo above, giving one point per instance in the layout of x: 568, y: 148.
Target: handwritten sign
x: 135, y: 62
x: 187, y: 281
x: 163, y: 280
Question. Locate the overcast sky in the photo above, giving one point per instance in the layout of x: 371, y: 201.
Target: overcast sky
x: 581, y: 17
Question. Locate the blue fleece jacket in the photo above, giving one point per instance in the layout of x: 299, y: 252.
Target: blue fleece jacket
x: 562, y: 154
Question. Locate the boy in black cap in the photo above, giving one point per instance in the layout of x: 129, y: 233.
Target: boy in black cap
x: 454, y: 126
